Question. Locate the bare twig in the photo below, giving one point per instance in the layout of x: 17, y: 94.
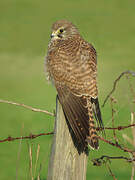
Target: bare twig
x: 133, y: 172
x: 37, y: 157
x: 115, y: 84
x: 127, y: 138
x: 110, y: 171
x: 27, y: 107
x: 38, y: 177
x: 133, y: 128
x: 112, y: 100
x: 98, y: 160
x: 18, y: 155
x: 131, y: 88
x: 30, y: 161
x: 132, y: 142
x: 31, y: 136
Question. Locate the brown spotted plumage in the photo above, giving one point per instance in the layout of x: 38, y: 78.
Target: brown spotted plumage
x: 71, y: 64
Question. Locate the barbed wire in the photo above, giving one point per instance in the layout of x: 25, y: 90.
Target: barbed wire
x: 31, y: 136
x: 118, y: 128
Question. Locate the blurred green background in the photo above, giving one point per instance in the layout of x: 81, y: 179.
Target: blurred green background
x: 24, y: 36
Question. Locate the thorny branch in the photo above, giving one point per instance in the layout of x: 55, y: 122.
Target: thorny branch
x: 27, y: 107
x: 31, y: 136
x: 115, y: 84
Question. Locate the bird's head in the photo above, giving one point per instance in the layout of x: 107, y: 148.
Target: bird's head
x: 63, y: 29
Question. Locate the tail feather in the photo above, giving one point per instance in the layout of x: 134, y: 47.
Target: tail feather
x: 97, y: 114
x: 92, y: 139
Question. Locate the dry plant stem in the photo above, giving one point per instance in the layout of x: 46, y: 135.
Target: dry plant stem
x: 27, y: 107
x: 133, y: 172
x: 132, y: 128
x: 110, y: 171
x: 131, y: 87
x: 132, y: 142
x: 30, y: 156
x: 125, y: 149
x: 127, y: 139
x: 115, y: 84
x: 18, y: 155
x: 37, y: 157
x: 38, y: 177
x: 31, y: 136
x: 133, y: 134
x: 113, y: 111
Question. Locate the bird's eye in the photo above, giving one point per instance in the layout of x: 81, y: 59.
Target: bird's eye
x: 61, y: 30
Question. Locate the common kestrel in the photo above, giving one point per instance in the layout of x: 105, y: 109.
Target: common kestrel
x: 71, y: 64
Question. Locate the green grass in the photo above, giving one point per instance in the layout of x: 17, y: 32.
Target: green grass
x: 24, y: 35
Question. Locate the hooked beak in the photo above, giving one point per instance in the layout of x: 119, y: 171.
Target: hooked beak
x: 56, y: 35
x: 53, y: 34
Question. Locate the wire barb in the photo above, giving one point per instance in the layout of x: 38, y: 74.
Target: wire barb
x: 31, y: 136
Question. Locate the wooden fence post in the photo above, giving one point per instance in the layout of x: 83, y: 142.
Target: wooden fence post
x: 65, y: 161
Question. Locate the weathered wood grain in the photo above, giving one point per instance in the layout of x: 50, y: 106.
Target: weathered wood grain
x: 65, y: 161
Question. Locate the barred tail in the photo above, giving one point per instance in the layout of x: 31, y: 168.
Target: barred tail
x: 97, y: 113
x: 92, y: 139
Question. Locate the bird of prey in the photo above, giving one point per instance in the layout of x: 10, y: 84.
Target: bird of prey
x: 71, y: 64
